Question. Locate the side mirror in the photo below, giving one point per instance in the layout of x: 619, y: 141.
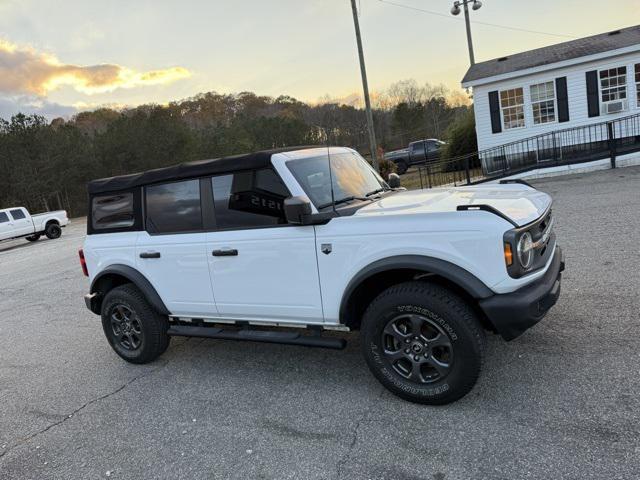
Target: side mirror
x: 297, y: 210
x: 394, y: 180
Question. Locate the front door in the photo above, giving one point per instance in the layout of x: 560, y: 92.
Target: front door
x: 261, y: 267
x: 172, y: 252
x: 6, y: 229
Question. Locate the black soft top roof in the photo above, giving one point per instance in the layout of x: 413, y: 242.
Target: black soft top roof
x: 199, y: 168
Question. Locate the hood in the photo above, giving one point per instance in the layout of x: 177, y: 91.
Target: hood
x: 520, y: 203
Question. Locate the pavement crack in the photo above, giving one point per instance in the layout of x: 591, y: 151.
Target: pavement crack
x: 77, y: 410
x: 354, y: 438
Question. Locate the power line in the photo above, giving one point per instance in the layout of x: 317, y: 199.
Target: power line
x: 506, y: 27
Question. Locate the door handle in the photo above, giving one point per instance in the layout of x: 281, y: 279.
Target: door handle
x: 227, y: 252
x: 150, y: 255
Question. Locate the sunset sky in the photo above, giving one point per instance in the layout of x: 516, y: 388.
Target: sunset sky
x: 60, y: 57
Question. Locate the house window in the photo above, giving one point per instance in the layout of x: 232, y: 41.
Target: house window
x: 543, y: 103
x: 637, y: 67
x: 512, y: 104
x: 613, y: 84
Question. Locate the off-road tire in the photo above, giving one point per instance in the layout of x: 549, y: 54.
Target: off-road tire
x: 53, y: 231
x: 402, y: 167
x: 152, y: 327
x: 33, y: 238
x: 444, y: 312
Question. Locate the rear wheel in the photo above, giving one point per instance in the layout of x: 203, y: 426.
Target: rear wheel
x: 402, y: 167
x: 34, y: 238
x: 423, y: 343
x: 53, y: 231
x: 133, y: 328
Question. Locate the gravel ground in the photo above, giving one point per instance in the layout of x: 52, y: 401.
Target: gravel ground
x: 560, y: 402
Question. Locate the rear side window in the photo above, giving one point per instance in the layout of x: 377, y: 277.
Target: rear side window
x: 174, y: 207
x: 417, y: 148
x: 4, y: 218
x: 252, y: 198
x: 17, y: 214
x: 112, y: 211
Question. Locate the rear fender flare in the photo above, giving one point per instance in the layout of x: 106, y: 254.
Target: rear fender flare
x: 135, y: 277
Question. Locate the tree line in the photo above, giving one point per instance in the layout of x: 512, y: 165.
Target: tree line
x: 41, y: 159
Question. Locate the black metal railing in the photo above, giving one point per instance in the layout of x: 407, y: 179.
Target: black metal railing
x: 561, y: 147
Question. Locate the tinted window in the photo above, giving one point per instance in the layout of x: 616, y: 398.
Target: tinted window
x: 174, y: 207
x: 433, y: 145
x: 4, y: 218
x: 252, y: 198
x: 17, y: 214
x: 417, y: 148
x: 112, y: 211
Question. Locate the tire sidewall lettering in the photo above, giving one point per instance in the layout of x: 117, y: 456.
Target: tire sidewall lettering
x: 431, y: 315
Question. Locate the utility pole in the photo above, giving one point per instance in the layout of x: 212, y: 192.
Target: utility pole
x: 455, y: 10
x: 472, y: 59
x: 365, y: 86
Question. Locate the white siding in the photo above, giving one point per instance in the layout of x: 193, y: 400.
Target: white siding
x: 577, y: 95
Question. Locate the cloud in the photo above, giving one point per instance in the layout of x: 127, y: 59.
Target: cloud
x: 23, y: 70
x: 50, y: 110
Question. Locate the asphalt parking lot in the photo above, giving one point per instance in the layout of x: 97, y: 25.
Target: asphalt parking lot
x: 560, y: 402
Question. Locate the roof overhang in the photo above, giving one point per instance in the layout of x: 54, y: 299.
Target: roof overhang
x: 551, y: 66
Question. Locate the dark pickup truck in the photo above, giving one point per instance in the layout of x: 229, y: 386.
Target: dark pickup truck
x: 419, y: 152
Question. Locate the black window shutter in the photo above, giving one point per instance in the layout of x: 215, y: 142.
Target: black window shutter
x: 562, y: 99
x: 592, y: 93
x: 494, y: 108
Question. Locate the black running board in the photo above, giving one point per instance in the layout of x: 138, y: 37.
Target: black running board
x: 285, y: 338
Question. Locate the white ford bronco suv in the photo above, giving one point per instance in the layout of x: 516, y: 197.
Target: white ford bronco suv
x: 238, y: 247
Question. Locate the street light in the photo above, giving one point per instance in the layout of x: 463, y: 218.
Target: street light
x: 455, y: 10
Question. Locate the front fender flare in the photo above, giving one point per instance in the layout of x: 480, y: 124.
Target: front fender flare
x: 139, y: 280
x: 458, y: 275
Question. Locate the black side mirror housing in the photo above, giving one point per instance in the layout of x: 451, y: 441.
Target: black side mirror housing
x: 394, y: 180
x: 298, y: 210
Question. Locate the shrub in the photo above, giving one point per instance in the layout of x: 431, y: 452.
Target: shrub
x: 461, y: 136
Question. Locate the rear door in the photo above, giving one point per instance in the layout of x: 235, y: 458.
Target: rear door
x: 22, y: 224
x: 416, y: 152
x: 172, y: 251
x: 261, y: 267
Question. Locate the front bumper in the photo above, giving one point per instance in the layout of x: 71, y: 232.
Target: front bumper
x: 513, y: 313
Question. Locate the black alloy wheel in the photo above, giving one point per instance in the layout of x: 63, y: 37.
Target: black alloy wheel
x: 417, y: 348
x: 53, y: 231
x: 126, y: 327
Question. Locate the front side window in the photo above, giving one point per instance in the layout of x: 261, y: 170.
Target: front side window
x: 17, y: 214
x: 613, y: 84
x: 352, y: 178
x: 4, y: 218
x: 637, y: 78
x: 174, y: 207
x: 543, y: 103
x: 112, y: 211
x: 512, y: 105
x: 251, y: 198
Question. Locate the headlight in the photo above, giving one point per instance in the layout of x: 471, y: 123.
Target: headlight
x: 525, y: 250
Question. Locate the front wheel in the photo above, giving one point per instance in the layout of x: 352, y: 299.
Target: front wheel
x: 53, y: 231
x: 133, y: 328
x: 423, y: 343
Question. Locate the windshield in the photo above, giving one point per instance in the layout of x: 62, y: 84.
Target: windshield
x: 353, y: 178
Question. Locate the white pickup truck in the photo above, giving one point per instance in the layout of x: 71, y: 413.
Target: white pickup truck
x: 314, y: 238
x: 17, y: 222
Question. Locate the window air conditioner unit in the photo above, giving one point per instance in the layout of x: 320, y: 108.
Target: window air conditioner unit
x: 615, y: 106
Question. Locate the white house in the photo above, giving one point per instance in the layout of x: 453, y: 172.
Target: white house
x: 581, y: 82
